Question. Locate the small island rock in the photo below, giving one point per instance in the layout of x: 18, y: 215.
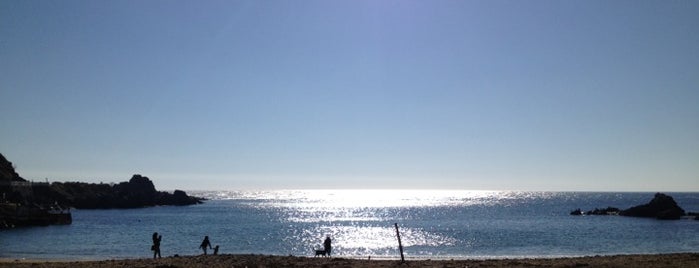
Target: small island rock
x: 661, y: 207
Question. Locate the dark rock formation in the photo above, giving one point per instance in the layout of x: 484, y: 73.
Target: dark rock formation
x: 577, y: 212
x: 136, y: 193
x: 7, y: 171
x: 179, y: 198
x: 661, y: 207
x: 604, y: 211
x: 597, y: 211
x: 19, y: 205
x: 9, y: 177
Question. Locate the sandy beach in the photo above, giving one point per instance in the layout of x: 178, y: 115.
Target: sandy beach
x: 655, y: 260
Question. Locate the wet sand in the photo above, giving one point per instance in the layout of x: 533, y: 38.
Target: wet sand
x: 655, y: 260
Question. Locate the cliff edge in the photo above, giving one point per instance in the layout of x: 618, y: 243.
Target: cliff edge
x: 7, y: 171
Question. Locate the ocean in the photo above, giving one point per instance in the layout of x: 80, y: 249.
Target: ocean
x: 434, y: 224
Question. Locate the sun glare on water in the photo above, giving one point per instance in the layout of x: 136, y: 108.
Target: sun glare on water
x: 361, y: 222
x: 346, y: 198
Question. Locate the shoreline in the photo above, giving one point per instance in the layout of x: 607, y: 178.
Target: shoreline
x: 253, y: 260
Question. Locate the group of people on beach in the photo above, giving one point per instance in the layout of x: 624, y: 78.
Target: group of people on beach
x: 156, y: 245
x: 327, y: 245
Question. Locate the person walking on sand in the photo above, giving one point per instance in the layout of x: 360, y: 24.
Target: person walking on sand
x: 327, y: 244
x: 205, y: 244
x: 156, y: 244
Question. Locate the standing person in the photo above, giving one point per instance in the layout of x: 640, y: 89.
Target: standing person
x: 156, y: 244
x: 327, y: 244
x: 205, y: 244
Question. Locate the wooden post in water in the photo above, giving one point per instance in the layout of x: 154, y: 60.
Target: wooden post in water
x: 400, y: 245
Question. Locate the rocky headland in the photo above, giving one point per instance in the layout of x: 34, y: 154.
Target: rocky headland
x: 138, y: 192
x: 26, y: 203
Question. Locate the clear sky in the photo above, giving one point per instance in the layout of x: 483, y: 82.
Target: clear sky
x: 489, y: 95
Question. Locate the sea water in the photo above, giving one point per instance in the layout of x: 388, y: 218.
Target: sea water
x: 432, y: 224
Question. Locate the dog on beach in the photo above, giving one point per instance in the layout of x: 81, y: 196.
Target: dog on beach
x: 320, y: 252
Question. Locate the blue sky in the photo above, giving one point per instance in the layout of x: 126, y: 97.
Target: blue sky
x: 489, y: 95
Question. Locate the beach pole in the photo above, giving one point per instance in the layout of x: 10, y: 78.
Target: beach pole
x: 400, y: 245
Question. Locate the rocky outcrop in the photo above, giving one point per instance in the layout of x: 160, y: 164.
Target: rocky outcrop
x: 138, y: 192
x: 7, y: 171
x: 26, y: 203
x: 8, y: 180
x: 18, y: 203
x: 597, y: 211
x: 577, y: 212
x: 661, y: 207
x: 605, y: 211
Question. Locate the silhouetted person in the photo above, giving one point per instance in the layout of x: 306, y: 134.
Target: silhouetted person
x: 216, y: 250
x: 205, y: 244
x: 327, y: 244
x: 156, y: 244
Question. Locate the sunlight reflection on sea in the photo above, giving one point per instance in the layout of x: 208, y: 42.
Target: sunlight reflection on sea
x: 433, y: 224
x: 309, y: 199
x: 360, y: 221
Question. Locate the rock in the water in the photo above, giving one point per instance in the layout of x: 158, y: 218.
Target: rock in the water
x: 577, y: 212
x: 178, y: 198
x: 604, y: 211
x: 661, y: 207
